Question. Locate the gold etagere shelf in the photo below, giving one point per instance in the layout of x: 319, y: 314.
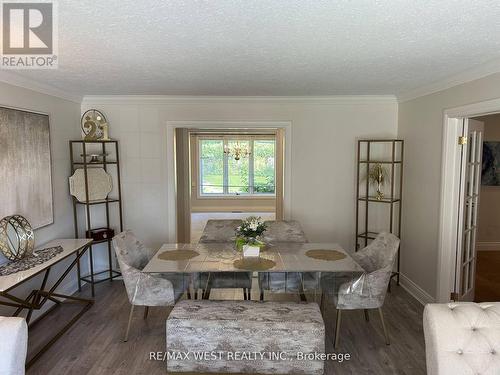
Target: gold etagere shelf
x: 101, y: 146
x: 388, y: 156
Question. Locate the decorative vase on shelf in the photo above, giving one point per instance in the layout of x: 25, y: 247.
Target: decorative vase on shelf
x: 251, y: 251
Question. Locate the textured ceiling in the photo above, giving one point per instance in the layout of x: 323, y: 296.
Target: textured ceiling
x: 274, y: 47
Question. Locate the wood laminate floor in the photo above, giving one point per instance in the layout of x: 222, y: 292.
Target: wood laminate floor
x: 487, y: 276
x: 94, y: 345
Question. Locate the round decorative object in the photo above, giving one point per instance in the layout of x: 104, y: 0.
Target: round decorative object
x: 99, y: 181
x: 17, y: 239
x: 178, y: 255
x: 254, y: 264
x: 94, y: 125
x: 321, y: 254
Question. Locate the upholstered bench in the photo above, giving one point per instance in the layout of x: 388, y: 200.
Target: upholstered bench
x: 462, y: 338
x: 245, y: 337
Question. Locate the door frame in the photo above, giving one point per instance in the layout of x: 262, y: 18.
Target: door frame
x: 450, y: 183
x: 169, y: 134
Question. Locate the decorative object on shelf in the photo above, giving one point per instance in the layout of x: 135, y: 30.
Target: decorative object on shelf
x: 378, y: 176
x: 17, y: 239
x: 33, y: 260
x: 99, y: 184
x: 178, y: 255
x: 322, y: 254
x: 25, y: 166
x: 248, y: 236
x: 237, y: 151
x: 94, y: 126
x: 95, y: 158
x: 379, y: 165
x: 100, y: 234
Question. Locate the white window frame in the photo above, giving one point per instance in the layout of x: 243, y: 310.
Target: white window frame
x: 225, y: 178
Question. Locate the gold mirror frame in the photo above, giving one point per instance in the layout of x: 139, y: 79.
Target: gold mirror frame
x: 25, y: 237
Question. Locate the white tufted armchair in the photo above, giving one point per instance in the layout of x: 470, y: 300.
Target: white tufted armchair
x: 13, y: 345
x: 462, y: 338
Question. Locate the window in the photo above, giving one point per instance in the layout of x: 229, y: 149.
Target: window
x: 221, y: 174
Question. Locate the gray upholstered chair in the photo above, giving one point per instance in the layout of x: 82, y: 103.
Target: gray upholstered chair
x: 222, y: 231
x: 368, y: 290
x: 277, y: 282
x: 145, y: 289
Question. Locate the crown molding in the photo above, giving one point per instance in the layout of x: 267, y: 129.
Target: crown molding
x: 187, y: 99
x: 469, y: 75
x: 42, y: 88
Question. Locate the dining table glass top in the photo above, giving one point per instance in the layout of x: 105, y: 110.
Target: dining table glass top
x: 276, y: 257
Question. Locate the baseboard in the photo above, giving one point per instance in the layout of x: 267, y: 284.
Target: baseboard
x: 417, y: 292
x: 488, y: 246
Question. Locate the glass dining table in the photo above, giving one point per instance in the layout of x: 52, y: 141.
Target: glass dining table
x: 319, y: 266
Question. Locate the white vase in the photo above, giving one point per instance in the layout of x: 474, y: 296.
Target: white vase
x: 251, y: 251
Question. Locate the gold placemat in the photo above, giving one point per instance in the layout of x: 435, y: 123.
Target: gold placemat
x: 325, y: 254
x: 178, y: 255
x: 254, y: 264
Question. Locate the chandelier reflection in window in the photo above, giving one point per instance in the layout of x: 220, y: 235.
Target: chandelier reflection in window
x: 237, y: 150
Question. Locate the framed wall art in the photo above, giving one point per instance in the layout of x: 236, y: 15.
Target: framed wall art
x: 25, y: 166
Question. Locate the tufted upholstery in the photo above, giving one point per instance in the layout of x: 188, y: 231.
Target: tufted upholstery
x: 145, y: 289
x: 13, y: 345
x: 462, y: 338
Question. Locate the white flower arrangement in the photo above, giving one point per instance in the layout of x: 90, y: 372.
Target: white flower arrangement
x: 250, y: 230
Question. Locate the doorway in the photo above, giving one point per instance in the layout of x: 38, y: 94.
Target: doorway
x: 466, y: 261
x: 487, y: 275
x: 229, y: 170
x: 233, y: 175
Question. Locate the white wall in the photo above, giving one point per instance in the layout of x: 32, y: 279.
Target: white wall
x: 324, y: 133
x: 64, y: 117
x: 421, y: 125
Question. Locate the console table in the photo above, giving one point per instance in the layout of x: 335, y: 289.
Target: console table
x: 37, y: 298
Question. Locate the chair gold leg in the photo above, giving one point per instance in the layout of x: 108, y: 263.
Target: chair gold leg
x: 146, y: 311
x: 129, y: 323
x: 337, y: 329
x: 386, y: 334
x: 367, y: 317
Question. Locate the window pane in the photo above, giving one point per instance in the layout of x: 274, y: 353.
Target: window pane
x: 263, y: 151
x: 238, y: 169
x: 212, y: 166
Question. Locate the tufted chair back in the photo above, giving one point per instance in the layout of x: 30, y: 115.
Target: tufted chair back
x: 462, y: 338
x: 284, y: 231
x: 220, y: 230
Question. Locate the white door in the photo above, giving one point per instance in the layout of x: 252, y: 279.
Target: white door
x: 472, y: 152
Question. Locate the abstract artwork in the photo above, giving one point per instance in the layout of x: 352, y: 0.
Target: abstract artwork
x: 25, y: 166
x: 491, y: 164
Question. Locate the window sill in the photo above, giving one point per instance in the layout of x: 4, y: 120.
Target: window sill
x: 231, y: 197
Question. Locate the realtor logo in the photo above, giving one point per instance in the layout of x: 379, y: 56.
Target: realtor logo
x: 29, y: 35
